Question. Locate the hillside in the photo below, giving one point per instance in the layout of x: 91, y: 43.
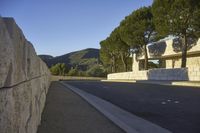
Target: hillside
x: 46, y: 58
x: 83, y: 59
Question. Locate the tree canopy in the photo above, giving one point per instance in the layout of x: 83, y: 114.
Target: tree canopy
x: 137, y: 30
x: 179, y: 18
x: 115, y: 51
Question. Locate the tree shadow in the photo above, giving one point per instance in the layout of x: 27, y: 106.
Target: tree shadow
x: 178, y: 45
x: 157, y: 49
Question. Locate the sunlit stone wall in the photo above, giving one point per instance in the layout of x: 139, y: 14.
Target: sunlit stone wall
x: 24, y: 81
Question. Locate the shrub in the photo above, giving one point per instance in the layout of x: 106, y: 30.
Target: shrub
x: 73, y: 72
x: 59, y: 69
x: 97, y: 71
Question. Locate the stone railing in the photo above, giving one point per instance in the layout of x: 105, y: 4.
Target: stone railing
x: 24, y: 81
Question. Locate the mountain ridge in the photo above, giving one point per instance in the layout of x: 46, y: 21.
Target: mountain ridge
x: 82, y: 59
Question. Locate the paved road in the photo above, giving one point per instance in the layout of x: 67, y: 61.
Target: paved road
x: 174, y: 108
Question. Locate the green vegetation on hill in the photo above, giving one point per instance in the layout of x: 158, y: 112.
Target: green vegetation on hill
x: 59, y: 69
x: 79, y: 63
x: 82, y: 58
x: 46, y: 57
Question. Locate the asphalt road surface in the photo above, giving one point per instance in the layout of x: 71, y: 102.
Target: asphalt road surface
x: 172, y: 107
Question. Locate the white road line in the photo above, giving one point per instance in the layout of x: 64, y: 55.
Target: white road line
x: 169, y: 100
x: 176, y: 102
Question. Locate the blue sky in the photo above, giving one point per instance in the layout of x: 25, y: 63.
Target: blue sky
x: 56, y: 27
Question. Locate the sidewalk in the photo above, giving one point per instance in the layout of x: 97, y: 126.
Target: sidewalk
x: 160, y: 82
x: 66, y: 112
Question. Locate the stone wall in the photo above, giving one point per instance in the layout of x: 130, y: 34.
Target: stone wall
x: 24, y: 81
x: 168, y: 74
x: 176, y: 62
x: 140, y: 75
x: 121, y: 76
x: 192, y: 74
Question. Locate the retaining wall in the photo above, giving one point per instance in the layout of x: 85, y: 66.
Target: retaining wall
x: 191, y: 74
x: 24, y: 81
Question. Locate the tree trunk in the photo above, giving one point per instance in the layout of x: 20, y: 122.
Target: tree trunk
x: 145, y: 58
x: 111, y: 68
x: 124, y: 62
x: 114, y: 64
x: 184, y: 52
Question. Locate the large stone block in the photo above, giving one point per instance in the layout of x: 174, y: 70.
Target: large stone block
x: 22, y: 106
x: 6, y: 56
x: 24, y: 81
x: 33, y: 62
x: 18, y: 64
x: 18, y: 59
x: 6, y: 111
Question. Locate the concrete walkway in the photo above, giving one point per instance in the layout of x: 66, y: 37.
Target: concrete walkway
x: 160, y: 82
x: 66, y: 112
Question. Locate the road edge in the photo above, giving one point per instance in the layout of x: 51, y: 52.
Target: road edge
x: 159, y: 82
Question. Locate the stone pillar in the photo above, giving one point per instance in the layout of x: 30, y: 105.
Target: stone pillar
x: 135, y: 66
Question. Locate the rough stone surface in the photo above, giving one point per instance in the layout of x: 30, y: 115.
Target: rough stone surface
x: 24, y: 81
x: 191, y: 74
x: 176, y: 63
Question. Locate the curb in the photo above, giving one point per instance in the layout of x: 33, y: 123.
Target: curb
x: 125, y: 120
x: 125, y: 81
x: 169, y: 83
x: 195, y: 84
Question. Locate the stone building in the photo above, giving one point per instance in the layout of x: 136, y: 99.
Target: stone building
x: 168, y: 54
